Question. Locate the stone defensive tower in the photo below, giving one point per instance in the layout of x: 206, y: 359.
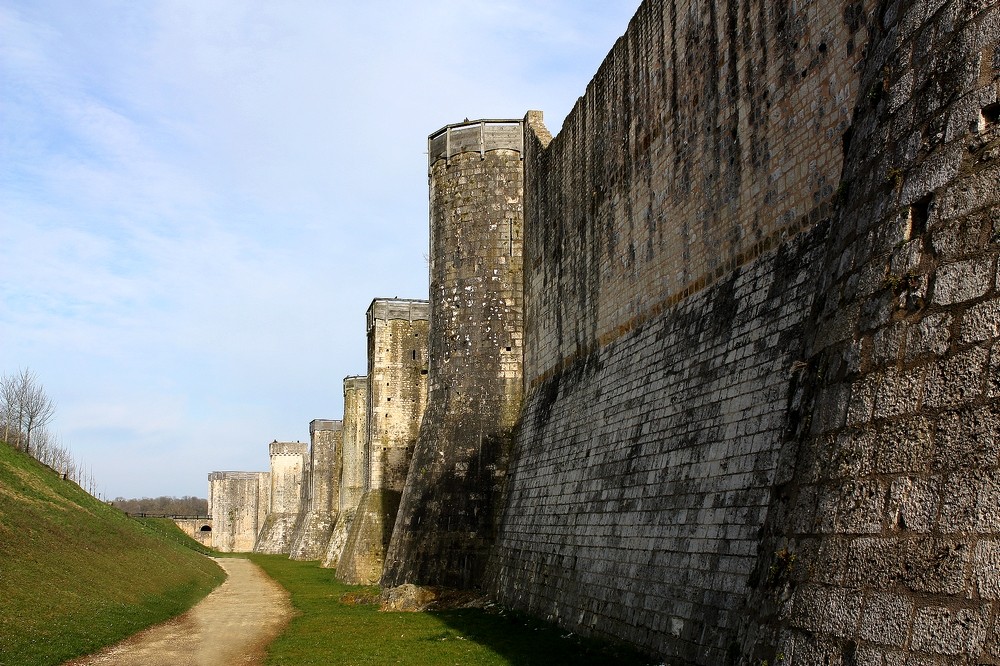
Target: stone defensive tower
x: 289, y: 467
x: 322, y: 492
x: 352, y: 475
x: 397, y: 393
x: 447, y: 516
x: 238, y: 503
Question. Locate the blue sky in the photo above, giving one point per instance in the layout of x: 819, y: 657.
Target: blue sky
x: 199, y: 199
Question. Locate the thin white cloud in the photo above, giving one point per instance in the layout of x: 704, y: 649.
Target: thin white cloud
x: 201, y: 199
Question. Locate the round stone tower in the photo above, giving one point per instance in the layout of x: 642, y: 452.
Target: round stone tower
x: 446, y: 520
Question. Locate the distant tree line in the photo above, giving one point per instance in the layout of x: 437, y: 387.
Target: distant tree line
x: 25, y: 413
x: 168, y: 506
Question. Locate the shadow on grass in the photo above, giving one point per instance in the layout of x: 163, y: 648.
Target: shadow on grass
x: 522, y: 639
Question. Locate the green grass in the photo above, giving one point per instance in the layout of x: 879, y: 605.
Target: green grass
x: 327, y: 631
x: 76, y: 574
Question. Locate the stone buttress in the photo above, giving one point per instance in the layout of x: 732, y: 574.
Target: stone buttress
x: 289, y: 472
x: 322, y: 501
x: 352, y: 477
x: 446, y: 521
x: 397, y: 393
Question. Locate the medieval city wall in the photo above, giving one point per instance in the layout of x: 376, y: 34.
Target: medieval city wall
x: 289, y: 472
x: 677, y: 233
x: 321, y: 501
x: 352, y: 471
x: 397, y: 396
x: 238, y: 504
x: 446, y: 519
x: 761, y: 308
x: 885, y: 541
x: 672, y: 230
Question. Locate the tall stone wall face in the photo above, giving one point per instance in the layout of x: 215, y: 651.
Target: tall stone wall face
x: 235, y: 499
x: 673, y: 231
x: 352, y: 478
x: 712, y: 129
x: 886, y: 547
x: 741, y: 445
x: 289, y: 473
x: 352, y: 484
x: 645, y: 469
x: 397, y: 394
x: 322, y: 501
x: 446, y: 523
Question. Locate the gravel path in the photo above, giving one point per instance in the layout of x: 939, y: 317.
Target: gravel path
x: 229, y: 627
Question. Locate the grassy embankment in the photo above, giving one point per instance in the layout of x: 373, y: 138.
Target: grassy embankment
x: 76, y: 574
x: 328, y: 631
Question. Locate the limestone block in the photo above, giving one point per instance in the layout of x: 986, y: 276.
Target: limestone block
x: 963, y: 280
x: 981, y: 322
x: 885, y: 619
x: 913, y: 503
x: 949, y: 631
x: 955, y: 381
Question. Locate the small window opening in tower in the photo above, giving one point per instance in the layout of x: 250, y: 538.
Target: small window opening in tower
x: 991, y: 114
x: 919, y: 212
x: 414, y: 354
x: 510, y: 236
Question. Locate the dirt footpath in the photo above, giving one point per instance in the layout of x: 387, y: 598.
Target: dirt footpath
x: 231, y: 626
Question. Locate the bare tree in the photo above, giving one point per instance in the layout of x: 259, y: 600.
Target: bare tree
x: 27, y: 409
x: 9, y: 405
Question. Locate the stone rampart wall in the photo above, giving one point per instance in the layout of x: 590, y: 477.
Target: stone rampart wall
x: 397, y: 395
x: 711, y: 130
x: 321, y: 503
x: 352, y: 477
x: 238, y: 502
x: 759, y: 259
x: 289, y: 474
x: 446, y: 520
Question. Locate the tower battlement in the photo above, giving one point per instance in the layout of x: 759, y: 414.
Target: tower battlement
x: 474, y: 136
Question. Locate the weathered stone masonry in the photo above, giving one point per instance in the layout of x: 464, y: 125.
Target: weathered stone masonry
x: 352, y: 477
x: 397, y: 395
x: 289, y: 472
x: 446, y: 520
x: 238, y: 503
x: 739, y: 444
x: 321, y: 493
x: 761, y: 304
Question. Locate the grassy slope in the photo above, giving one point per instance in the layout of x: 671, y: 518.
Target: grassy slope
x: 76, y: 575
x: 330, y: 632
